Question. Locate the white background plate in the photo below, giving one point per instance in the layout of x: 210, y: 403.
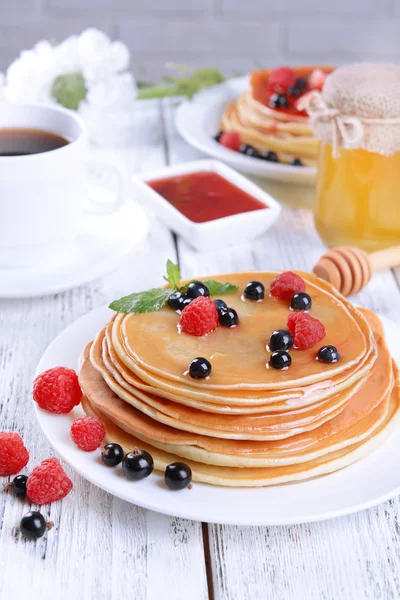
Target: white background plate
x: 99, y: 247
x: 198, y: 121
x: 362, y: 485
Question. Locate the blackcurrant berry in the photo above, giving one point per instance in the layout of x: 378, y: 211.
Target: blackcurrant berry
x: 178, y: 476
x: 270, y: 156
x: 218, y: 135
x: 221, y: 306
x: 112, y: 455
x: 301, y: 83
x: 278, y: 101
x: 137, y: 465
x: 229, y: 318
x: 196, y: 289
x: 176, y: 300
x: 199, y: 368
x: 255, y: 291
x: 186, y: 302
x: 280, y: 339
x: 294, y: 91
x: 33, y: 525
x: 296, y: 162
x: 280, y: 360
x: 19, y: 485
x: 249, y: 151
x: 301, y: 301
x: 328, y: 354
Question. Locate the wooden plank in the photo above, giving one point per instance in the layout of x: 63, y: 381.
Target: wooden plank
x: 101, y: 546
x: 354, y: 557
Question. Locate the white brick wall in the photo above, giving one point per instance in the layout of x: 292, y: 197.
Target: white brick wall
x: 232, y: 34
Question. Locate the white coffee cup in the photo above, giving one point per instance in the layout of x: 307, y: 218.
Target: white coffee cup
x: 43, y: 196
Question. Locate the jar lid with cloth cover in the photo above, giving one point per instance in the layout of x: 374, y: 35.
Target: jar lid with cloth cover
x: 359, y: 107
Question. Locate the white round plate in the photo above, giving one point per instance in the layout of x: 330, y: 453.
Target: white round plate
x: 362, y: 485
x: 197, y: 121
x: 99, y: 247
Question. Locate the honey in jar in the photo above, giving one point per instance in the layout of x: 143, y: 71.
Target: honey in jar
x: 357, y: 119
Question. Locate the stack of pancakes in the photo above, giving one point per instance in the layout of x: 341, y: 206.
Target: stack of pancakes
x: 247, y: 424
x: 284, y: 131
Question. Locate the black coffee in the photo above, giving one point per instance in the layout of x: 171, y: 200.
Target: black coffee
x: 21, y: 141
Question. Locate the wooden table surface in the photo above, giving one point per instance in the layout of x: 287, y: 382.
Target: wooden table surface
x: 105, y: 548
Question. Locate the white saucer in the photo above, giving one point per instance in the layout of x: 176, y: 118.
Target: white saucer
x: 98, y: 248
x: 198, y: 121
x: 372, y: 480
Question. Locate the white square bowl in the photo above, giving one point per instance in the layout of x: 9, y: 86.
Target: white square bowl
x: 218, y: 233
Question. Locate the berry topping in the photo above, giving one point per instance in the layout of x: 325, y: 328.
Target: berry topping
x: 301, y: 301
x: 221, y: 306
x: 48, y: 482
x: 317, y: 79
x: 13, y: 454
x: 112, y: 455
x: 217, y: 136
x: 294, y: 91
x: 280, y: 360
x: 176, y: 300
x: 137, y: 465
x: 230, y: 139
x: 301, y: 83
x: 19, y: 485
x: 57, y: 390
x: 199, y: 368
x: 296, y: 162
x: 178, y: 476
x: 306, y: 330
x: 196, y: 289
x: 287, y: 284
x: 229, y: 318
x: 280, y: 339
x: 281, y: 79
x: 199, y: 318
x: 270, y: 156
x: 328, y: 354
x: 278, y: 101
x: 88, y: 433
x: 255, y: 291
x: 33, y: 525
x: 249, y: 151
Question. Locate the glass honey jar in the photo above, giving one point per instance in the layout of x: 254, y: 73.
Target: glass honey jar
x: 357, y: 119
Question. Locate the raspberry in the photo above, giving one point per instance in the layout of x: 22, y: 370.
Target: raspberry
x: 88, y: 433
x: 48, y: 482
x: 230, y: 139
x: 199, y: 317
x: 57, y: 390
x: 317, y: 79
x: 281, y: 79
x: 13, y: 454
x: 305, y: 329
x: 286, y: 285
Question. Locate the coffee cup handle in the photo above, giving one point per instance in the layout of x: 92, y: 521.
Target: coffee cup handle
x: 104, y: 195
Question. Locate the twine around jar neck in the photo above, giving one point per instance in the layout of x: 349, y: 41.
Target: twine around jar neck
x: 347, y: 130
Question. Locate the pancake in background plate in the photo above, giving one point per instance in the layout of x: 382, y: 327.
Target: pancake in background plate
x: 265, y: 127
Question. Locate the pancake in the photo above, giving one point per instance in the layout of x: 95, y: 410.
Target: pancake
x: 284, y: 131
x: 360, y: 418
x: 232, y: 401
x: 257, y: 477
x: 153, y: 342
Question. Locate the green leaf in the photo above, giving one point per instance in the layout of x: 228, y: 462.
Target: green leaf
x: 69, y: 90
x: 220, y: 289
x: 142, y: 302
x: 173, y: 274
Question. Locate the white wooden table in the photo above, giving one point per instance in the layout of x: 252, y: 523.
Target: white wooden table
x: 105, y: 548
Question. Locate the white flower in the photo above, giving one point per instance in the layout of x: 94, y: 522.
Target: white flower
x: 107, y: 107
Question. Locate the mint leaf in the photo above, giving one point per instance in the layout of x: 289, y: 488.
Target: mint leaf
x: 142, y: 302
x: 220, y: 289
x: 173, y: 274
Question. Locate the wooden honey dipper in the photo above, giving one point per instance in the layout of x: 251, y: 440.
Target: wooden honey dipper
x: 350, y: 269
